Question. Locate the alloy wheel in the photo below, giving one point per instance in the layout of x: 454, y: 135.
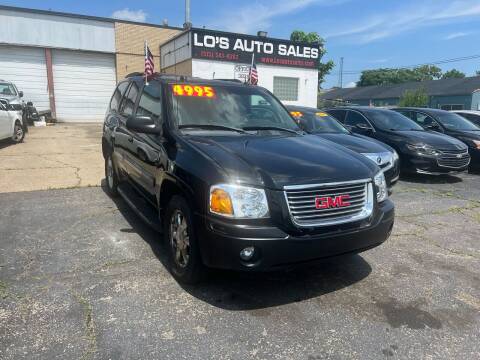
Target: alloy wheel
x: 179, y: 238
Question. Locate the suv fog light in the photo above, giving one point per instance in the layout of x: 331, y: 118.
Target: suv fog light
x: 247, y: 253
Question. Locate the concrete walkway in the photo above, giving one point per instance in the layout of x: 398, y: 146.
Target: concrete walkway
x: 53, y: 157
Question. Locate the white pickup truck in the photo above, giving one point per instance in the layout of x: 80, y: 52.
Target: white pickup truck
x: 11, y: 125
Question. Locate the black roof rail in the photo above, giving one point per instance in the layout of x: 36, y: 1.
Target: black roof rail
x: 137, y: 73
x: 232, y: 80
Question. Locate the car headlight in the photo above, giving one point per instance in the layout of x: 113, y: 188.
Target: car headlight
x: 476, y: 144
x: 236, y: 201
x: 381, y: 187
x: 423, y: 149
x: 395, y: 157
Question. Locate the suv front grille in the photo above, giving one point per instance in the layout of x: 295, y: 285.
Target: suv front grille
x: 454, y: 159
x: 330, y: 203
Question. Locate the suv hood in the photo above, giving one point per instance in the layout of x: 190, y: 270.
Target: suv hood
x: 437, y: 140
x: 275, y: 162
x: 13, y: 99
x: 355, y: 143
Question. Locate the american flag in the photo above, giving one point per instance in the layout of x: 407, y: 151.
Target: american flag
x: 253, y: 76
x: 149, y: 64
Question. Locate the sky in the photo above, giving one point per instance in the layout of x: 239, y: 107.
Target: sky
x: 367, y: 34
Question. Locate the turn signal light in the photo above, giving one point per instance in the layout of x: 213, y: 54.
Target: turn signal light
x: 220, y: 202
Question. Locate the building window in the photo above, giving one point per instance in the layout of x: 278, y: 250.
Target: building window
x: 452, y: 107
x: 285, y: 88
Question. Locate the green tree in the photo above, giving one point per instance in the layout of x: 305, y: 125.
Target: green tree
x: 398, y: 76
x: 454, y: 73
x: 313, y: 37
x: 414, y: 98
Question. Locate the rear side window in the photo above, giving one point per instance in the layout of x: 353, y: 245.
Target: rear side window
x: 117, y: 96
x: 338, y: 114
x: 150, y: 103
x: 128, y: 104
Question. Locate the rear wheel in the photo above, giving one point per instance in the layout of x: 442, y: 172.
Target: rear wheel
x: 18, y: 132
x: 185, y: 262
x: 111, y: 176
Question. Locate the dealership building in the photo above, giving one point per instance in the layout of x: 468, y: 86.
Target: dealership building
x: 69, y: 64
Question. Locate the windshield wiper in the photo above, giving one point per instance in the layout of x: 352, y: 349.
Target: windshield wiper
x: 211, y: 127
x: 250, y: 128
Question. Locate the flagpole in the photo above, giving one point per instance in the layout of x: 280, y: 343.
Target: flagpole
x: 145, y: 62
x: 251, y: 67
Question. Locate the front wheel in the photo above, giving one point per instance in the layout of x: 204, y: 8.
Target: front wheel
x: 185, y: 262
x: 111, y: 176
x: 18, y: 132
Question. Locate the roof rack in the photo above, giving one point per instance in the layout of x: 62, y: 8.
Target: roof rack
x: 232, y: 80
x: 137, y: 73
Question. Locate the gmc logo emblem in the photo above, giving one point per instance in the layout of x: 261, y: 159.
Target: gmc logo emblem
x: 332, y: 202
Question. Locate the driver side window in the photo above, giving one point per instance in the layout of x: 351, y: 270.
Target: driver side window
x: 425, y: 121
x: 354, y: 119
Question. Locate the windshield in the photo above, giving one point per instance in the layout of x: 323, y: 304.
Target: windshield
x: 391, y: 120
x: 321, y: 122
x: 455, y: 122
x: 7, y: 89
x: 236, y: 107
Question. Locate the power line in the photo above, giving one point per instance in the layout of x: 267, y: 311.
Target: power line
x: 439, y: 62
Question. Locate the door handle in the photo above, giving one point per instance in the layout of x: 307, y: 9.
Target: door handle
x: 130, y: 139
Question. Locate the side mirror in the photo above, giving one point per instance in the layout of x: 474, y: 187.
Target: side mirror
x: 143, y: 124
x: 432, y: 127
x: 20, y: 93
x: 363, y: 127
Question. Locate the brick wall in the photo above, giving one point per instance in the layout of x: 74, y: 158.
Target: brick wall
x: 129, y: 44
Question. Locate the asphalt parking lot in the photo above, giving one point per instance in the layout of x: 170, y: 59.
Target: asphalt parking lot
x: 83, y: 278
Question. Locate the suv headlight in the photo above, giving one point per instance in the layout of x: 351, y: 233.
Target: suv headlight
x: 381, y: 187
x: 236, y: 201
x: 423, y: 149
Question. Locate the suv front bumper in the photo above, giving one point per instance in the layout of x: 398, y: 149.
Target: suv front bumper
x: 221, y: 242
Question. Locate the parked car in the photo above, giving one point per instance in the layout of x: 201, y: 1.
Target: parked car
x: 472, y: 115
x: 11, y: 125
x: 317, y: 122
x: 9, y: 92
x: 420, y: 151
x: 233, y: 179
x: 448, y: 123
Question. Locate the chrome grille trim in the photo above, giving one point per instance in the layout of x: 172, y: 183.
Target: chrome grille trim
x: 450, y: 159
x: 300, y: 201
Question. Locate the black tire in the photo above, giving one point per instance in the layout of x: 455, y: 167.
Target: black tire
x: 191, y: 271
x: 111, y: 178
x: 18, y: 132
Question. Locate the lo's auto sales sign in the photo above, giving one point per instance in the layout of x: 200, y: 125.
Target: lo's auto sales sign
x: 221, y: 46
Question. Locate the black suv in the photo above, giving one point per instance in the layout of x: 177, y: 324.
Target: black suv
x: 235, y: 183
x: 317, y: 122
x: 420, y: 151
x: 448, y: 123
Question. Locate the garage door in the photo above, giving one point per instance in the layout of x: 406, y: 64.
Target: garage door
x: 26, y: 68
x: 84, y: 83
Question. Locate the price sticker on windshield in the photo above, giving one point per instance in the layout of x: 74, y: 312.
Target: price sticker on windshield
x: 321, y: 114
x: 193, y: 90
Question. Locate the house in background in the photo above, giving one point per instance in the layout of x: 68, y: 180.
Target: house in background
x: 446, y: 94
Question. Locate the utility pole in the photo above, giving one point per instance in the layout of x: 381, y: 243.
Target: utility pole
x: 340, y: 74
x: 188, y: 22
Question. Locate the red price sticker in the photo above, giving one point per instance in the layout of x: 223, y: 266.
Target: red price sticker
x: 193, y: 90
